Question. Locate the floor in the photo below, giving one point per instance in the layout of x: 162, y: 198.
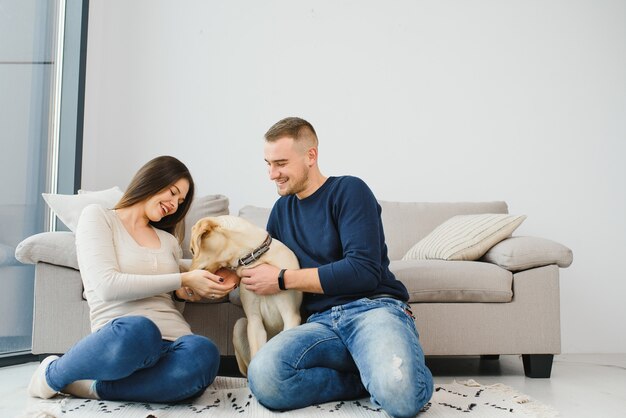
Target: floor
x: 582, y: 385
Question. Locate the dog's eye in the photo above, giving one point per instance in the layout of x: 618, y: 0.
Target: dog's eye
x: 192, y: 251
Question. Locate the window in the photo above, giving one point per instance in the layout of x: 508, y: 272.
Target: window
x: 28, y: 79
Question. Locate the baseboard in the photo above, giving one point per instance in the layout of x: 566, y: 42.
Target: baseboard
x: 12, y: 360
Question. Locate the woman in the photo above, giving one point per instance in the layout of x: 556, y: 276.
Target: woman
x: 141, y: 348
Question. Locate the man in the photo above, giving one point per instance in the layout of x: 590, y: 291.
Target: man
x: 360, y: 336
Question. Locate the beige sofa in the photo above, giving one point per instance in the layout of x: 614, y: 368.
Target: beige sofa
x: 505, y: 303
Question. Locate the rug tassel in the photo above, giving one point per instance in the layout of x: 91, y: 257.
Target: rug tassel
x: 528, y: 404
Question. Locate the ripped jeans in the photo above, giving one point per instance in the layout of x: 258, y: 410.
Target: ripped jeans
x: 369, y: 346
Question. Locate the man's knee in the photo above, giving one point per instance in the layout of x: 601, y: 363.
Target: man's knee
x: 404, y: 400
x: 413, y: 404
x: 262, y: 374
x: 270, y: 381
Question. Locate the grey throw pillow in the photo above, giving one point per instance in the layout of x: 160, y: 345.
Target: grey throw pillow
x: 49, y: 247
x: 523, y: 253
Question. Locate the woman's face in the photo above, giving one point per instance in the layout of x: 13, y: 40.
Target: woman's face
x: 166, y: 202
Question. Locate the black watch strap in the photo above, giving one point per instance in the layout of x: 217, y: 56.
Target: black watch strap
x: 281, y: 280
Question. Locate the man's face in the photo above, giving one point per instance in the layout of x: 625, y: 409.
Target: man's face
x: 288, y: 166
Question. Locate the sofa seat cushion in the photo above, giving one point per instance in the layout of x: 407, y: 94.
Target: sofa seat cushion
x: 447, y: 281
x: 454, y: 281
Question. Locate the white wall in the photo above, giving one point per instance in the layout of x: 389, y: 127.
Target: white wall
x: 523, y: 101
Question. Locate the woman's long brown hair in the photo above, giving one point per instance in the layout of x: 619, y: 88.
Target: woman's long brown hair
x: 156, y: 175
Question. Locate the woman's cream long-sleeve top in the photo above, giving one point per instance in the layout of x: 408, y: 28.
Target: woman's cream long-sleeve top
x: 122, y: 278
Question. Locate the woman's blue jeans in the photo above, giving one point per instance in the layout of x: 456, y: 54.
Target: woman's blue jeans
x: 130, y: 362
x: 366, y: 346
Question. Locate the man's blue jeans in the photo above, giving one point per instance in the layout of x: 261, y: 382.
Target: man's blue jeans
x: 129, y: 361
x: 366, y: 346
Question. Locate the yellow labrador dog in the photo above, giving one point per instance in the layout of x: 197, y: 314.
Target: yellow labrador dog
x: 233, y: 242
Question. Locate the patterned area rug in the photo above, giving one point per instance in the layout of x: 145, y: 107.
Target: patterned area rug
x: 230, y: 397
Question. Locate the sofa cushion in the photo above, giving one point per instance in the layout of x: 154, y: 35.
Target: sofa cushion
x: 49, y: 247
x: 464, y: 237
x: 523, y: 253
x: 257, y: 215
x: 453, y: 281
x: 69, y: 207
x: 406, y: 223
x: 201, y: 207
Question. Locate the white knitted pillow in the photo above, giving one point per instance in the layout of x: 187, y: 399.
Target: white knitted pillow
x: 68, y: 207
x: 465, y: 237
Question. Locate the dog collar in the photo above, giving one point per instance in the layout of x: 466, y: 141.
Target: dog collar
x: 258, y: 252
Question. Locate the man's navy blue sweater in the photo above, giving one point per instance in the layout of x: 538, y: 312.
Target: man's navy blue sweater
x: 337, y: 229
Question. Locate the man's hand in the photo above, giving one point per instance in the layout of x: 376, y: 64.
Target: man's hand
x: 262, y: 279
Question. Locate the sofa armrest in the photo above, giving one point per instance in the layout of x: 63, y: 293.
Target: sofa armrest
x: 49, y: 247
x: 523, y: 253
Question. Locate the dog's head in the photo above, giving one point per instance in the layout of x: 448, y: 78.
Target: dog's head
x: 220, y: 241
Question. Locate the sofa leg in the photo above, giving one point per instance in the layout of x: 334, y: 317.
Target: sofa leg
x: 537, y: 365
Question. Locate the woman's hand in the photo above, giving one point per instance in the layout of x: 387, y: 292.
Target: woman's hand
x: 198, y: 284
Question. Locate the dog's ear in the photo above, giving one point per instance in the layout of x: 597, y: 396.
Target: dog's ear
x: 199, y: 231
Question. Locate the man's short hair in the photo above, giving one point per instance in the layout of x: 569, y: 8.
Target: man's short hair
x: 298, y: 129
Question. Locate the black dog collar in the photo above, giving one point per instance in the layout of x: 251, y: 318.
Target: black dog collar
x: 258, y: 252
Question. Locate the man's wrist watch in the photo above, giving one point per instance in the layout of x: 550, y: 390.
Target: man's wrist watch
x: 281, y: 280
